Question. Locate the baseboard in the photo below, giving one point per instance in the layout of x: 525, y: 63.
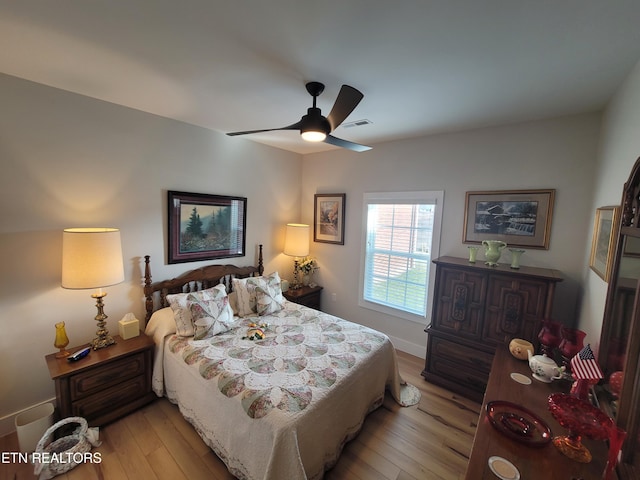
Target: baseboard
x: 8, y: 423
x: 408, y: 347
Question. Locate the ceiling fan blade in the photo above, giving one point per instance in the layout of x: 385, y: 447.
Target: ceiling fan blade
x: 339, y: 142
x: 348, y: 99
x: 293, y: 126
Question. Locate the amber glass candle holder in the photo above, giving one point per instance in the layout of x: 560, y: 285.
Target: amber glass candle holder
x: 61, y: 340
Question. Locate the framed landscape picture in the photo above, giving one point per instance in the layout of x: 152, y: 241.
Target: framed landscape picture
x: 602, y: 243
x: 205, y: 227
x: 520, y: 218
x: 328, y: 218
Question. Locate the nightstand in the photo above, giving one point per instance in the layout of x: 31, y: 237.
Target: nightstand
x: 106, y: 384
x: 307, y: 296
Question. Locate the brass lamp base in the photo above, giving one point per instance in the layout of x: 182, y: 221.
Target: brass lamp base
x: 103, y: 339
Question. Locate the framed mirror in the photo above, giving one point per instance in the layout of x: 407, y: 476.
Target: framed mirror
x: 619, y: 353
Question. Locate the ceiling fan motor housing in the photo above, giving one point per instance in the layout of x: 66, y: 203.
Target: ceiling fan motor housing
x: 314, y: 121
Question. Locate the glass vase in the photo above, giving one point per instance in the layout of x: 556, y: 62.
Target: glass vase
x: 61, y: 340
x: 572, y: 342
x: 550, y: 337
x: 616, y: 439
x: 515, y: 257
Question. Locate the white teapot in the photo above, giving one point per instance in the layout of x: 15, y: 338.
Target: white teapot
x: 544, y: 368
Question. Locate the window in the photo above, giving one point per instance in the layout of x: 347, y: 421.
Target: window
x: 402, y: 234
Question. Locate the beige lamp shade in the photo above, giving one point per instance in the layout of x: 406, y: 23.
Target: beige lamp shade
x: 91, y: 258
x: 296, y: 240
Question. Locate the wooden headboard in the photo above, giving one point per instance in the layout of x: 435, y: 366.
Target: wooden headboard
x: 205, y: 277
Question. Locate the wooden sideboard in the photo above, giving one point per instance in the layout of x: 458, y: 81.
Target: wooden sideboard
x: 532, y: 462
x: 475, y: 309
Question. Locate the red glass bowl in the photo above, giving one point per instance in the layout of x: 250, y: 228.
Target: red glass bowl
x: 518, y: 423
x: 579, y: 416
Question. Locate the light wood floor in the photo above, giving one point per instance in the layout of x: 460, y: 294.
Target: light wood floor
x: 431, y: 440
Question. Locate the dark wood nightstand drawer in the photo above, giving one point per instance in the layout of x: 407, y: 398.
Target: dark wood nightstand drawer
x: 307, y: 296
x: 105, y: 376
x: 120, y: 394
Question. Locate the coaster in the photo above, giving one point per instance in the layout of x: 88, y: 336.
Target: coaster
x: 503, y: 468
x: 523, y: 379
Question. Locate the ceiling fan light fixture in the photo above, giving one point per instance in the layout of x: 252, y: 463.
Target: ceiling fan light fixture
x: 315, y: 127
x: 313, y: 136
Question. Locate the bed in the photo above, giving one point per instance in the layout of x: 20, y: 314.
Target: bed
x: 275, y: 392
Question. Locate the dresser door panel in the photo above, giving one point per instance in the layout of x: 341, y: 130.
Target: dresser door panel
x: 460, y: 302
x: 514, y: 309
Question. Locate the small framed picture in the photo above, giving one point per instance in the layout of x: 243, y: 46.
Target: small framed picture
x: 602, y: 244
x: 205, y: 227
x: 328, y: 218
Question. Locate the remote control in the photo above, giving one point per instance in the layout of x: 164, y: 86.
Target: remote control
x: 79, y: 354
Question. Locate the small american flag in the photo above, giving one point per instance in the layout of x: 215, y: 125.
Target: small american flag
x: 585, y: 366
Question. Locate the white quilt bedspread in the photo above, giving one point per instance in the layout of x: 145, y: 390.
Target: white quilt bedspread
x: 282, y: 407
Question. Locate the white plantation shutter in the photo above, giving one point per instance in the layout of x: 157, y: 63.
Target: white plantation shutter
x: 401, y: 232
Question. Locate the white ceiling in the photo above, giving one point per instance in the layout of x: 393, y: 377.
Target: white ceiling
x: 424, y: 66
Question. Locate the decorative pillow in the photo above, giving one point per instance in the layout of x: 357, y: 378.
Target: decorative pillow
x: 269, y: 299
x: 233, y: 302
x: 245, y: 289
x: 210, y: 311
x: 181, y: 314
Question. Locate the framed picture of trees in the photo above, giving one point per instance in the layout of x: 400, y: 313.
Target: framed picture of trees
x: 205, y: 227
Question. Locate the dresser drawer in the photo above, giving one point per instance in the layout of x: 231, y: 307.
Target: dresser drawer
x: 466, y: 358
x: 107, y: 375
x: 451, y: 373
x: 121, y: 394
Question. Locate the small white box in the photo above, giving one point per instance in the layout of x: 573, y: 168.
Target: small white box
x: 129, y: 328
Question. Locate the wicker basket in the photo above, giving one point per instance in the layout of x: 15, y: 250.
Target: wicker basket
x: 64, y: 448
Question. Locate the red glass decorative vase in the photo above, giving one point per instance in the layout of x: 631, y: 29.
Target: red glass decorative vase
x: 572, y: 342
x: 550, y: 337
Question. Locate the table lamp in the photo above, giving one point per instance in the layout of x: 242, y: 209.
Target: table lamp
x: 92, y: 258
x: 296, y: 244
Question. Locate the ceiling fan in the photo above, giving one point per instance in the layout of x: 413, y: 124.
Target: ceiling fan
x: 314, y: 127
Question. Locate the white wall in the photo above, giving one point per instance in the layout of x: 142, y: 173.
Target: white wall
x: 69, y: 161
x: 558, y: 153
x: 619, y: 149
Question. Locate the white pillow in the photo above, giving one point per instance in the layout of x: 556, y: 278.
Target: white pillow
x: 210, y: 311
x: 245, y: 289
